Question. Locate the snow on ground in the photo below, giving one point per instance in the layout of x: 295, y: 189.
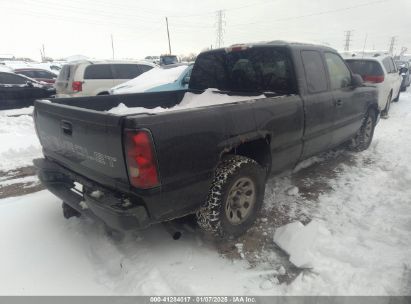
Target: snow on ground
x: 363, y: 246
x: 4, y: 68
x: 367, y: 249
x: 47, y: 254
x: 19, y: 143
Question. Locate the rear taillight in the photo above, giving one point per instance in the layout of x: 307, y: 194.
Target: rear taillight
x: 373, y: 79
x: 141, y: 161
x: 77, y: 86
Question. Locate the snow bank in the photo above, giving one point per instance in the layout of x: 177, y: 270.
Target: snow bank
x: 19, y: 143
x: 208, y: 98
x: 149, y: 79
x: 297, y: 241
x: 76, y: 257
x: 4, y: 68
x: 367, y: 215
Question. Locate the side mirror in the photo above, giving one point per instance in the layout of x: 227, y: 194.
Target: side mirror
x: 29, y: 84
x: 356, y: 80
x: 186, y: 80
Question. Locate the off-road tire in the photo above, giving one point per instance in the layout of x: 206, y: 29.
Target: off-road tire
x: 363, y: 138
x: 69, y: 212
x: 212, y: 216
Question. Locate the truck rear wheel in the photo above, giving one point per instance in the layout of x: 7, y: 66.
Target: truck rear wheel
x: 235, y: 197
x: 363, y: 138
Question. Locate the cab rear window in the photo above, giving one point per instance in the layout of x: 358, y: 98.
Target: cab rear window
x: 261, y: 69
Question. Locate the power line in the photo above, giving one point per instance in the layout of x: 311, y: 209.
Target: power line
x: 224, y: 9
x: 315, y: 14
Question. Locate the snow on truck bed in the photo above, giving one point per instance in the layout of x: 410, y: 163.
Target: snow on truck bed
x: 208, y: 98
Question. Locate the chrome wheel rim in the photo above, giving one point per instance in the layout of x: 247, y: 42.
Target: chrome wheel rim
x: 240, y: 200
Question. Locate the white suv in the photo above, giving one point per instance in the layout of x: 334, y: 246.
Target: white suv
x: 381, y: 71
x: 87, y: 78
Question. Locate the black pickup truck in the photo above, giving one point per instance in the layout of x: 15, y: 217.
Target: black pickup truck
x: 133, y: 170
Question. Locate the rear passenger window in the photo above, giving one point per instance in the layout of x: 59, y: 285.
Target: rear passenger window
x: 27, y: 73
x: 65, y: 72
x: 6, y: 78
x: 365, y: 67
x: 340, y: 75
x: 44, y: 74
x: 144, y: 68
x: 98, y: 71
x: 126, y: 71
x: 314, y: 71
x: 388, y: 65
x: 393, y: 66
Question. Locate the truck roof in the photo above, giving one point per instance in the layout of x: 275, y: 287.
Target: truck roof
x: 291, y: 44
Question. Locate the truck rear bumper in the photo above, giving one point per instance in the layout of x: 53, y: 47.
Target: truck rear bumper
x: 95, y: 201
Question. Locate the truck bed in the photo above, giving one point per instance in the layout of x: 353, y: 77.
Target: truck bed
x: 106, y: 102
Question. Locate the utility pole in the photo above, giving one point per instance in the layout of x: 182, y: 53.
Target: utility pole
x: 365, y: 43
x: 42, y: 53
x: 168, y: 35
x: 220, y: 30
x: 112, y: 45
x: 392, y: 45
x: 348, y: 35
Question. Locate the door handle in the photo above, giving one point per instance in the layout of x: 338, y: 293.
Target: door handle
x: 67, y: 127
x: 339, y: 103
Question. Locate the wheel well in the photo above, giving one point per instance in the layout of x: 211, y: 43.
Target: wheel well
x: 103, y: 93
x: 374, y: 108
x: 258, y: 150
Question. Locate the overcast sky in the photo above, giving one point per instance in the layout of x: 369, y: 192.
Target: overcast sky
x: 69, y: 27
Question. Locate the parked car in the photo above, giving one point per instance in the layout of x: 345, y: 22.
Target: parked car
x: 86, y: 78
x: 153, y: 59
x: 404, y: 68
x: 135, y: 170
x: 167, y: 78
x: 18, y: 91
x: 381, y: 72
x: 168, y: 59
x: 38, y: 74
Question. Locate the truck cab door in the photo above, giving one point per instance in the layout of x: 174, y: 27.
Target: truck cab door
x: 318, y: 104
x: 349, y: 102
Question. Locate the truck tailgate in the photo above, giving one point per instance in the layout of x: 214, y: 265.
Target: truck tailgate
x: 85, y: 141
